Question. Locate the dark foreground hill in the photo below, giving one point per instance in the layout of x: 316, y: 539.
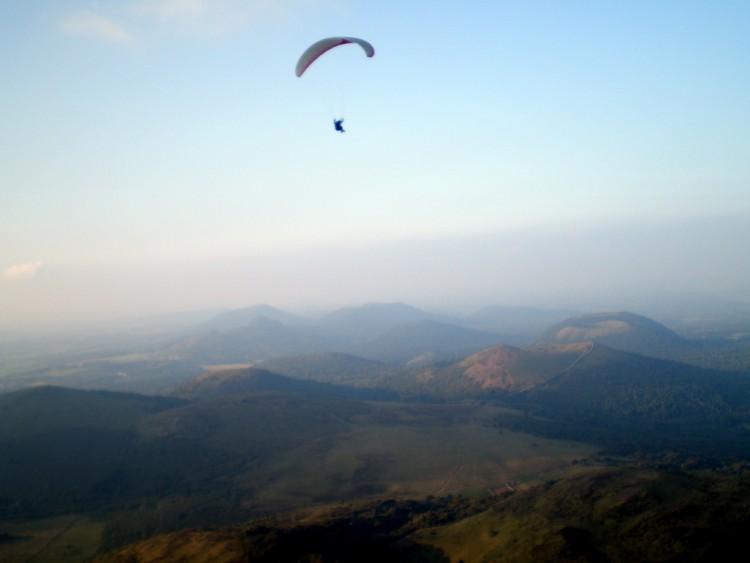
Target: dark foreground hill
x: 134, y: 466
x: 613, y: 515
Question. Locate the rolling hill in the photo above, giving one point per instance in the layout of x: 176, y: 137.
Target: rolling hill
x: 609, y: 515
x: 255, y: 380
x: 331, y: 367
x: 496, y: 372
x: 372, y: 318
x: 239, y: 318
x: 518, y: 326
x: 241, y: 445
x: 422, y: 342
x: 622, y: 331
x: 260, y: 339
x: 589, y: 392
x: 388, y: 333
x: 235, y: 443
x: 493, y: 424
x: 642, y: 405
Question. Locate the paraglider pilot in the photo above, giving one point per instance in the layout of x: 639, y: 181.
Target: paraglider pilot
x: 337, y: 125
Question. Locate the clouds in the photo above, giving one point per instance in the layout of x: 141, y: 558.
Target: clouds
x: 199, y: 18
x: 20, y: 272
x: 89, y: 24
x: 144, y: 20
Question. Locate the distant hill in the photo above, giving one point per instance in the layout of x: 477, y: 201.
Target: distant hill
x: 260, y: 339
x: 254, y: 380
x: 423, y: 341
x: 239, y: 318
x: 233, y: 381
x: 622, y: 331
x: 358, y: 334
x: 516, y: 370
x: 591, y: 384
x: 373, y: 318
x: 589, y: 392
x: 124, y: 374
x: 520, y: 326
x: 155, y: 359
x: 496, y: 371
x: 332, y: 367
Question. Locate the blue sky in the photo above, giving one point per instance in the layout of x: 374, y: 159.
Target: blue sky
x: 160, y: 155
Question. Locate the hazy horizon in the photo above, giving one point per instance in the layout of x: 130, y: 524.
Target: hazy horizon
x: 158, y: 156
x: 603, y: 267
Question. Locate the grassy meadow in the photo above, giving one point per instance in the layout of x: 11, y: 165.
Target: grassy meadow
x: 283, y: 453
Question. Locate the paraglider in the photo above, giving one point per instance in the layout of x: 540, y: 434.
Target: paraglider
x: 318, y: 48
x: 315, y: 50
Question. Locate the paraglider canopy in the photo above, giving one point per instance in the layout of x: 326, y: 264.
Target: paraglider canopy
x: 319, y: 47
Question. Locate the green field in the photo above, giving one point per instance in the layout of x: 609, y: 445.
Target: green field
x: 222, y: 461
x: 414, y: 451
x: 63, y: 539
